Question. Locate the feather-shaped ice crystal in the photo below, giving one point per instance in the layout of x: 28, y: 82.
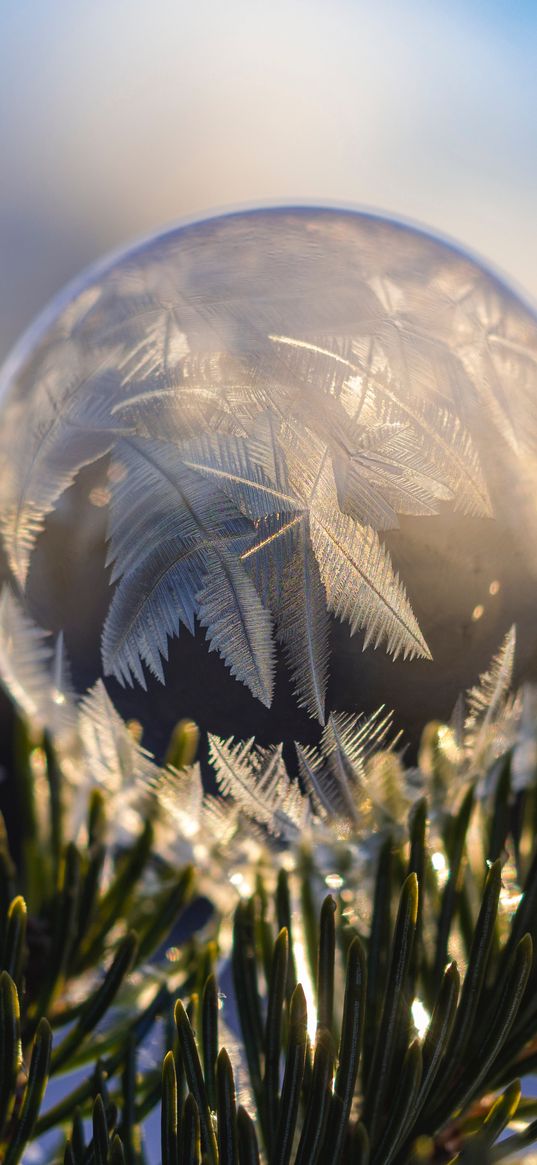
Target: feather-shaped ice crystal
x: 254, y: 427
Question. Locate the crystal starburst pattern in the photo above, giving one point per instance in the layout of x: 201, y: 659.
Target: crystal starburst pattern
x: 265, y: 424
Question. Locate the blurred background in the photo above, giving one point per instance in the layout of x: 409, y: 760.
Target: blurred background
x: 120, y: 117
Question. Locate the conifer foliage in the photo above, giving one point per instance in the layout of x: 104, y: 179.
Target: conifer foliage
x: 387, y: 1033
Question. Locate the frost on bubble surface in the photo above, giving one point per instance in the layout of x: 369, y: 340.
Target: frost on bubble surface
x: 274, y: 394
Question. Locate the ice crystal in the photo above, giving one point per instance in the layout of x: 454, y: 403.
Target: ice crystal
x: 489, y: 707
x: 258, y: 781
x: 335, y: 773
x: 274, y: 394
x: 111, y: 752
x: 352, y: 787
x: 35, y: 672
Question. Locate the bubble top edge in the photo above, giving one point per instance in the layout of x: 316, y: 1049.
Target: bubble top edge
x: 52, y: 309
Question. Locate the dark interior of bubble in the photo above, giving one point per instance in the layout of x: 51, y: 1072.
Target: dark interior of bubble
x: 449, y: 563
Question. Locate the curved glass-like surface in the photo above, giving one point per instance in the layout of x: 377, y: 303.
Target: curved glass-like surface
x: 304, y: 440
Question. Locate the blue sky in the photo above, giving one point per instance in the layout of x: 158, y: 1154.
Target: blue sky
x: 117, y: 118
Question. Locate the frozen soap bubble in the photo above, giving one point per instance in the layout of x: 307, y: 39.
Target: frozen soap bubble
x: 303, y: 440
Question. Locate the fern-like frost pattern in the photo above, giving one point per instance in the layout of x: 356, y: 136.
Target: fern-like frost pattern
x: 274, y: 393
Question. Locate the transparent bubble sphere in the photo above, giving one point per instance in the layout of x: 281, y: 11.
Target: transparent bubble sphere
x: 274, y: 464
